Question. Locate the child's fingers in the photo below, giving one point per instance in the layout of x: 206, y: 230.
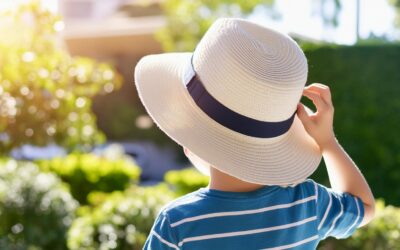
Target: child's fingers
x: 316, y: 99
x: 321, y: 89
x: 303, y: 116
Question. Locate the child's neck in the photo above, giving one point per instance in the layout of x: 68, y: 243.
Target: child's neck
x: 224, y: 182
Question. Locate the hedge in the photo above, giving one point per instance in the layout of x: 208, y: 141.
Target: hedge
x: 121, y: 220
x: 37, y: 211
x: 364, y: 81
x: 85, y: 173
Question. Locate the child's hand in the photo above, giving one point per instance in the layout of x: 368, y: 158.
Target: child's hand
x: 344, y: 175
x: 320, y: 124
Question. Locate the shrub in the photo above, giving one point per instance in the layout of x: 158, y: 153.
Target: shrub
x: 382, y: 233
x: 365, y: 90
x: 121, y: 221
x: 45, y: 94
x: 85, y: 173
x: 185, y: 181
x: 36, y: 210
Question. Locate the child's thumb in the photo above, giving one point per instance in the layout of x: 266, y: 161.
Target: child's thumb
x: 303, y: 116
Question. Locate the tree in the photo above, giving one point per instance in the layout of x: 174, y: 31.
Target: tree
x: 45, y: 94
x: 396, y: 6
x: 187, y: 21
x: 329, y: 11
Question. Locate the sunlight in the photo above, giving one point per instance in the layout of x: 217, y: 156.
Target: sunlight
x: 11, y: 5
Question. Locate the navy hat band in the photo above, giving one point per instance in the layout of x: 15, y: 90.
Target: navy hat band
x: 232, y: 120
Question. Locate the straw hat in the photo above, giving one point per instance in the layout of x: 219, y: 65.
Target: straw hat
x: 232, y: 102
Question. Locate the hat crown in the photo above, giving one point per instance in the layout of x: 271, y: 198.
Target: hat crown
x: 254, y: 71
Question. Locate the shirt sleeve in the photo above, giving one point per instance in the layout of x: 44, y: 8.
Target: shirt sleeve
x: 338, y: 214
x: 161, y: 236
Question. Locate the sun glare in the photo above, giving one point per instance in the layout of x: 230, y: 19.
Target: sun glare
x: 10, y: 5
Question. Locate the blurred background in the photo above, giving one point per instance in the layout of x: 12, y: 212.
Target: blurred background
x: 82, y: 166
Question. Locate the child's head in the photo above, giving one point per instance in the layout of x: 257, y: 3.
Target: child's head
x: 232, y: 102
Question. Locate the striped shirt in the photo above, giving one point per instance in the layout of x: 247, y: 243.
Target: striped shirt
x: 272, y: 217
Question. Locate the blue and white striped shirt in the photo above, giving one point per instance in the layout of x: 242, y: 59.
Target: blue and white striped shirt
x: 272, y: 217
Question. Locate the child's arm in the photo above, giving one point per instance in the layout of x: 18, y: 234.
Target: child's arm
x: 343, y: 174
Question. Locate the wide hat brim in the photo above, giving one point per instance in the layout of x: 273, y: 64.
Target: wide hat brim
x: 283, y: 160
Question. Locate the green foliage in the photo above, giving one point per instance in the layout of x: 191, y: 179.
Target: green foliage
x: 396, y: 6
x: 45, y: 94
x: 374, y: 39
x: 36, y: 210
x: 187, y: 21
x: 382, y: 233
x: 122, y: 221
x: 117, y: 116
x: 185, y: 181
x: 329, y: 12
x: 364, y: 84
x: 87, y: 172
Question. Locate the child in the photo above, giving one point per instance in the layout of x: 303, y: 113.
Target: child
x: 233, y: 104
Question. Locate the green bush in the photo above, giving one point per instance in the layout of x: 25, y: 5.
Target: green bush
x: 88, y: 172
x: 364, y: 81
x: 36, y: 210
x: 186, y: 180
x: 121, y: 221
x: 383, y: 233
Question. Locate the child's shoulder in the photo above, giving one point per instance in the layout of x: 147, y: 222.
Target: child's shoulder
x: 196, y: 203
x: 183, y: 200
x: 183, y: 206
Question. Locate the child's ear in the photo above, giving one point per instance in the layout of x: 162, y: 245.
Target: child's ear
x: 186, y: 151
